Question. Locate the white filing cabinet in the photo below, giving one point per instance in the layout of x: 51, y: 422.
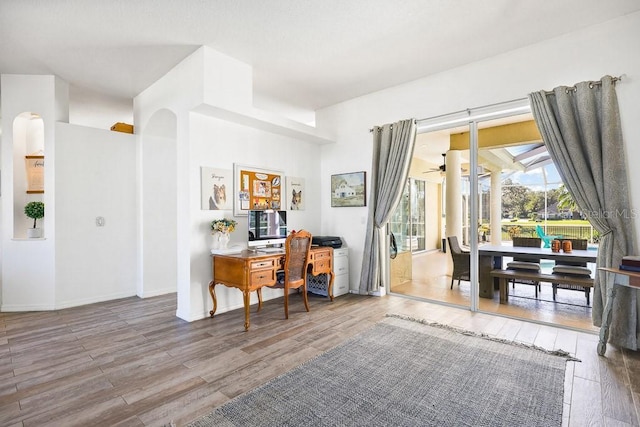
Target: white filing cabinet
x: 341, y: 271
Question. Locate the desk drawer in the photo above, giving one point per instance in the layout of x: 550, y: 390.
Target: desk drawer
x: 321, y: 266
x: 263, y: 263
x: 340, y: 265
x: 340, y: 285
x: 319, y: 255
x: 263, y: 277
x: 341, y: 270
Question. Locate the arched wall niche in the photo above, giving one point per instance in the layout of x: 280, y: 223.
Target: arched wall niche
x: 28, y: 169
x: 159, y: 210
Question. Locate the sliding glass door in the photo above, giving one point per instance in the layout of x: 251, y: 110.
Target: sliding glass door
x: 407, y: 225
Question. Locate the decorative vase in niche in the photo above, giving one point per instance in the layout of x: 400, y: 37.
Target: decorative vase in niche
x: 223, y: 240
x: 34, y: 233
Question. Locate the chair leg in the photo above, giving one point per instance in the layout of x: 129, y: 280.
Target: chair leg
x: 535, y: 286
x: 286, y: 302
x: 304, y: 297
x: 555, y: 290
x: 452, y: 279
x: 587, y: 291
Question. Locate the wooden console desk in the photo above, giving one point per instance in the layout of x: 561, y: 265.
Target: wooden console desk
x: 250, y: 271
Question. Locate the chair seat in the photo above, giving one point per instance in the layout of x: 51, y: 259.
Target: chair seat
x: 523, y: 265
x: 572, y: 269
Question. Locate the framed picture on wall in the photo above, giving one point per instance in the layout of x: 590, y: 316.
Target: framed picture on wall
x: 349, y: 189
x: 35, y: 173
x: 296, y: 193
x: 257, y: 189
x: 216, y: 186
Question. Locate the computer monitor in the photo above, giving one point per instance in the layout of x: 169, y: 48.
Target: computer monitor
x: 267, y: 228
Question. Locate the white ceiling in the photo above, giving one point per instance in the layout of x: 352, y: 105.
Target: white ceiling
x: 305, y: 53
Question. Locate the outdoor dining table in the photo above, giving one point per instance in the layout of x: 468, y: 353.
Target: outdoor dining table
x: 490, y: 257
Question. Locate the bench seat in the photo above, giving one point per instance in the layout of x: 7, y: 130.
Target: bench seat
x: 504, y: 276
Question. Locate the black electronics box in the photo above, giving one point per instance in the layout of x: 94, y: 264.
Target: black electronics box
x: 334, y: 242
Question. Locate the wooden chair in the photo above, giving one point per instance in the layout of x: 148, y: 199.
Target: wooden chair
x: 573, y: 269
x: 296, y: 260
x: 461, y: 261
x: 523, y: 264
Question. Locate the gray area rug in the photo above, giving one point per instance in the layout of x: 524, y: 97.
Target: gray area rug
x: 402, y: 372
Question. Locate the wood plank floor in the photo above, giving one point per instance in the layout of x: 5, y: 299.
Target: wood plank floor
x: 131, y: 362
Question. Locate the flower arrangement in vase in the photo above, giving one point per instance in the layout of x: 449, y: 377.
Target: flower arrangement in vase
x: 220, y: 229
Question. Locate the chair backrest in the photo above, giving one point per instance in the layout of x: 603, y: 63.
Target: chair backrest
x: 527, y: 242
x: 297, y: 248
x: 578, y: 244
x: 454, y: 246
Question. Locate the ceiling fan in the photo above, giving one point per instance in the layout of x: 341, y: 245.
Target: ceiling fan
x: 441, y: 168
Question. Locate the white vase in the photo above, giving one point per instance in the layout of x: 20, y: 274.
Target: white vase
x: 34, y: 233
x: 215, y: 240
x: 223, y: 240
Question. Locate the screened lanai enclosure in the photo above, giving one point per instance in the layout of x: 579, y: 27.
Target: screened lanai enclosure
x: 519, y: 193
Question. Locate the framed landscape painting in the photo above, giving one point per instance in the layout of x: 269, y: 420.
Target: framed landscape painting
x: 349, y: 189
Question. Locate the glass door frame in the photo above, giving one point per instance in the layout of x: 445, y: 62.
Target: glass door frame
x: 472, y: 117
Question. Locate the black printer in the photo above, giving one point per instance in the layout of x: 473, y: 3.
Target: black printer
x: 332, y: 241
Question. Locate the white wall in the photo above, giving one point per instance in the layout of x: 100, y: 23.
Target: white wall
x: 95, y: 177
x: 159, y: 204
x: 218, y: 143
x: 98, y: 110
x: 610, y: 48
x: 28, y: 268
x: 216, y: 125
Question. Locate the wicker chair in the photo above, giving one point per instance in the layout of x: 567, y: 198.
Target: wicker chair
x: 296, y: 260
x: 523, y: 264
x: 461, y: 261
x: 573, y: 269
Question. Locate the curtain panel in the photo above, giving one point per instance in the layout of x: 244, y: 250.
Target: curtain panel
x: 392, y: 151
x: 580, y: 126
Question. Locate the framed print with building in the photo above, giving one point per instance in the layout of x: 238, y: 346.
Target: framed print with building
x: 257, y: 189
x: 349, y: 189
x: 295, y: 187
x: 216, y: 185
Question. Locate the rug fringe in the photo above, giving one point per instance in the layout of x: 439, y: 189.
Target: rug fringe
x: 558, y: 352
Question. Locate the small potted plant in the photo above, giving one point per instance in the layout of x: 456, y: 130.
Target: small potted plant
x: 220, y: 229
x: 35, y: 211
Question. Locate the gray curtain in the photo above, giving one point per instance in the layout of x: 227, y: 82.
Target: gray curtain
x: 392, y: 151
x: 580, y: 126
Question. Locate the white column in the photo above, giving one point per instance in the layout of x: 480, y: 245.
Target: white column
x: 496, y: 208
x: 453, y: 197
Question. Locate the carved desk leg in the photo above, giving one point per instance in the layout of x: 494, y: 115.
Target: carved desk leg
x: 212, y: 292
x: 246, y: 296
x: 606, y: 320
x: 330, y: 291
